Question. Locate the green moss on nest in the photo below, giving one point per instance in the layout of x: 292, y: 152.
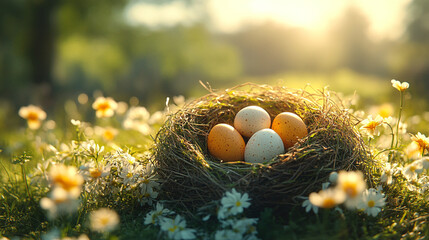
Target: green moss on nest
x: 192, y: 177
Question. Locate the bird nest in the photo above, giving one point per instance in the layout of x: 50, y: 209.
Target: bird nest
x: 191, y: 177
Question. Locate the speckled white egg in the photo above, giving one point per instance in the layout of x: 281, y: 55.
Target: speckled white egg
x: 263, y: 146
x: 251, y: 119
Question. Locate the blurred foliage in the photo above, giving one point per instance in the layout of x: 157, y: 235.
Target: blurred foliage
x: 271, y: 48
x: 410, y: 60
x: 94, y: 48
x: 51, y: 50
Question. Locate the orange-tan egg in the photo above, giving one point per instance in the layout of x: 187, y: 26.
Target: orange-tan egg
x: 290, y: 127
x: 226, y: 143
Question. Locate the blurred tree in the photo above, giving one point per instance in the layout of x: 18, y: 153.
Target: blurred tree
x: 349, y: 45
x: 80, y: 46
x: 15, y: 67
x: 411, y: 63
x: 29, y: 31
x: 41, y: 47
x: 271, y: 48
x: 171, y: 61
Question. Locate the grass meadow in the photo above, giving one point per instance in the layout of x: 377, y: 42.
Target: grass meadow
x: 86, y: 172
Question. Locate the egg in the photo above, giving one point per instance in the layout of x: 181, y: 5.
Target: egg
x: 290, y: 127
x: 263, y: 146
x: 251, y: 119
x: 226, y: 143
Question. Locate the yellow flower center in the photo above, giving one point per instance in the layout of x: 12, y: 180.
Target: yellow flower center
x: 421, y: 142
x: 328, y: 203
x: 146, y: 181
x: 95, y: 172
x: 371, y: 203
x: 103, y: 106
x: 238, y: 204
x: 371, y: 125
x: 172, y: 229
x: 108, y: 135
x: 385, y: 111
x: 350, y: 188
x: 66, y: 182
x: 33, y: 116
x: 104, y: 221
x: 131, y: 160
x: 129, y: 175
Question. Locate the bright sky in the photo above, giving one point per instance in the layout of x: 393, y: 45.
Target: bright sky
x: 386, y: 17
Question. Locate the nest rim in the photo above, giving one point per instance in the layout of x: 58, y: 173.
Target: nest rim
x: 191, y: 177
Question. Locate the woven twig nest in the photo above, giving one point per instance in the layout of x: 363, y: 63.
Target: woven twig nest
x: 192, y: 177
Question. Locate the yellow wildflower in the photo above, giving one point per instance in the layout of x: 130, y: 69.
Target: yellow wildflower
x: 400, y: 86
x: 328, y: 198
x: 421, y: 140
x: 103, y: 220
x: 108, y: 133
x: 67, y: 178
x: 352, y: 183
x: 104, y: 107
x: 370, y: 125
x: 34, y: 116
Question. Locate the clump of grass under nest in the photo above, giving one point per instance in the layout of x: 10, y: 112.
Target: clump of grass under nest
x: 191, y: 177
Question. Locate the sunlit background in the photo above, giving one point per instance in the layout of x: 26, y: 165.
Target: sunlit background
x: 54, y: 50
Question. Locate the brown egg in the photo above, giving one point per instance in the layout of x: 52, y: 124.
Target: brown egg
x: 226, y: 143
x: 290, y: 127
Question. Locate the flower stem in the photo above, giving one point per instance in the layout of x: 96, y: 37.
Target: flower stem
x: 24, y: 178
x: 392, y: 142
x: 401, y: 105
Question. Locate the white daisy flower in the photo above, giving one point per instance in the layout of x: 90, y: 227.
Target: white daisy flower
x: 90, y: 171
x: 370, y: 125
x: 412, y: 170
x: 127, y: 158
x: 388, y: 172
x: 67, y: 178
x: 154, y: 216
x: 103, y: 220
x: 129, y: 174
x: 91, y: 148
x: 34, y: 116
x: 235, y: 201
x: 352, y: 183
x: 149, y: 190
x: 40, y: 174
x: 401, y: 86
x: 137, y: 119
x: 327, y: 198
x: 372, y: 202
x: 176, y: 228
x: 59, y: 202
x: 421, y: 140
x: 104, y: 107
x: 309, y: 206
x: 424, y: 162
